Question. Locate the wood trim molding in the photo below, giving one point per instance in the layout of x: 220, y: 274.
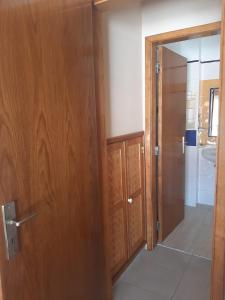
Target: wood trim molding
x: 107, y: 5
x: 124, y: 137
x: 187, y: 33
x: 150, y: 143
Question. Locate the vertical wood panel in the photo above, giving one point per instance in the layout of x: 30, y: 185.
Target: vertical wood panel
x: 135, y: 191
x: 117, y: 205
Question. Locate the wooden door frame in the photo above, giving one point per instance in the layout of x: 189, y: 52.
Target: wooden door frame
x: 151, y: 42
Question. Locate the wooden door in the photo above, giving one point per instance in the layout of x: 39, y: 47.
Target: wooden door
x: 171, y: 130
x: 49, y: 151
x: 118, y: 205
x: 135, y: 193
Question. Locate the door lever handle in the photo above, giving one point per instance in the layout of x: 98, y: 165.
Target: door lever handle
x: 19, y: 223
x: 11, y: 226
x: 183, y: 144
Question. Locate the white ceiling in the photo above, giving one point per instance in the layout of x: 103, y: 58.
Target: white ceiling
x: 204, y: 49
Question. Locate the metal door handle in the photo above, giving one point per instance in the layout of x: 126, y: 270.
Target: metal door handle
x: 11, y: 228
x: 183, y: 144
x: 19, y: 223
x: 130, y: 200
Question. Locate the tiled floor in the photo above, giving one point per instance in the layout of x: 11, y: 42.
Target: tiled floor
x: 165, y: 274
x: 168, y: 274
x: 194, y: 234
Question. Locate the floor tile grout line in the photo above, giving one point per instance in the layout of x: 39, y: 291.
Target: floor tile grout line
x: 185, y: 252
x: 193, y: 214
x: 182, y: 276
x: 174, y: 249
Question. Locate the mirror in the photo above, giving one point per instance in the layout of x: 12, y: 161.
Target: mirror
x: 214, y: 112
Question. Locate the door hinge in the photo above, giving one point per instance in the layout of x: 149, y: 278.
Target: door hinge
x: 157, y: 225
x: 157, y: 68
x: 143, y: 149
x: 157, y: 151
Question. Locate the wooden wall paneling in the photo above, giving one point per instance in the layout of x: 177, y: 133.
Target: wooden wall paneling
x: 218, y: 262
x: 101, y: 94
x: 118, y: 205
x: 125, y: 137
x: 135, y: 193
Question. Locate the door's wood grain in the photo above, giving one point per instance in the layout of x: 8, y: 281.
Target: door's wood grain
x: 101, y: 92
x: 171, y: 124
x: 135, y: 191
x: 49, y: 150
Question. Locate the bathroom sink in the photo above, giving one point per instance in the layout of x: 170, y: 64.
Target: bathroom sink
x: 209, y: 153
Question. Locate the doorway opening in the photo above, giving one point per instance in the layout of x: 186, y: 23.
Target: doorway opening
x: 153, y: 186
x: 187, y: 129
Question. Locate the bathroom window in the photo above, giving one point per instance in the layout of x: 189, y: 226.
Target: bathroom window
x: 214, y: 112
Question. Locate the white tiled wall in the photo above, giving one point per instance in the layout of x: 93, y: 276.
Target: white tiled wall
x: 191, y: 176
x: 191, y: 155
x: 206, y: 180
x: 193, y: 78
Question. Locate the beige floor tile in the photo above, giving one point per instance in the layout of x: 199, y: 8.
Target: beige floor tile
x: 195, y: 284
x: 165, y: 274
x: 171, y: 259
x: 125, y: 291
x: 153, y: 277
x: 194, y: 234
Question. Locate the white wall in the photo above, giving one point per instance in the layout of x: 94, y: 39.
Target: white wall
x: 210, y: 71
x: 189, y: 49
x: 191, y: 152
x: 166, y: 15
x: 126, y: 32
x: 203, y: 49
x: 125, y: 113
x: 210, y: 48
x: 206, y: 180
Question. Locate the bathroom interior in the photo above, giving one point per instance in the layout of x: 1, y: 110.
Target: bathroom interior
x: 194, y: 234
